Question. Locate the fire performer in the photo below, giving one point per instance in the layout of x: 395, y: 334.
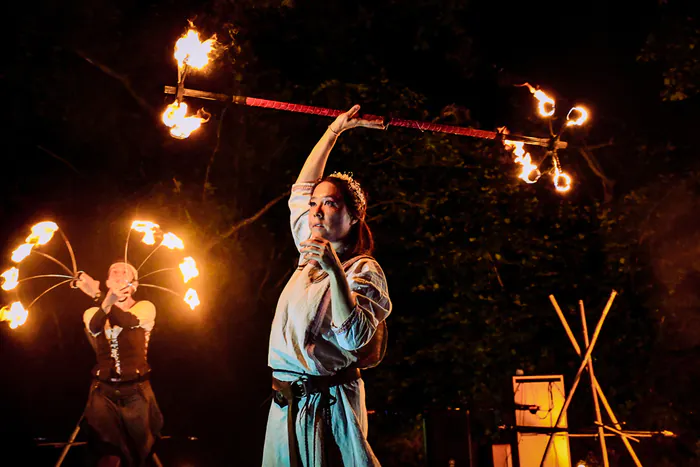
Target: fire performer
x: 123, y: 417
x: 329, y: 322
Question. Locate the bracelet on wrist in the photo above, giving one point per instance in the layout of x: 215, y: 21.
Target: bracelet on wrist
x: 336, y: 133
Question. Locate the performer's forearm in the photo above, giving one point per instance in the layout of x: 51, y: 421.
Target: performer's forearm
x: 316, y: 161
x: 97, y: 322
x: 341, y: 298
x: 121, y: 318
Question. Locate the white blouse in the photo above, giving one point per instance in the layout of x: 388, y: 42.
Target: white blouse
x: 303, y: 339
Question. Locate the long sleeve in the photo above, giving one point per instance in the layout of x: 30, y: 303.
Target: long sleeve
x: 298, y: 210
x: 371, y: 305
x: 121, y: 318
x: 142, y: 314
x: 94, y: 319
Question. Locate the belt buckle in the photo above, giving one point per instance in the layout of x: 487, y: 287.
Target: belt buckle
x: 301, y: 386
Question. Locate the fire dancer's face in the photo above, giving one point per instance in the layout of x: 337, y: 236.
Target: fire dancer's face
x: 120, y: 276
x: 328, y: 215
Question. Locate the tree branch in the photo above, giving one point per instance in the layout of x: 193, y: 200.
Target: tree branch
x: 236, y: 227
x: 608, y: 183
x: 398, y: 201
x: 599, y: 146
x: 121, y: 78
x: 386, y: 203
x: 213, y: 154
x: 495, y: 269
x: 266, y: 277
x: 58, y: 158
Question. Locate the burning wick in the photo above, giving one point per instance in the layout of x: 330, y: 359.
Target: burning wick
x: 42, y: 233
x: 191, y: 298
x: 172, y: 241
x: 562, y: 182
x: 181, y: 126
x: 582, y: 116
x: 530, y: 173
x: 22, y: 252
x: 189, y: 270
x: 545, y: 105
x: 16, y: 315
x: 11, y: 277
x: 148, y: 229
x: 190, y: 51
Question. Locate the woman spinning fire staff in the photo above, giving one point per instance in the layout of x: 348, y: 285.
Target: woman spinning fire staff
x: 329, y: 322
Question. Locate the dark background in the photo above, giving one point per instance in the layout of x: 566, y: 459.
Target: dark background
x: 471, y: 253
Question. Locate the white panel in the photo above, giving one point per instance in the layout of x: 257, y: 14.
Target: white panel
x: 502, y: 455
x: 547, y: 393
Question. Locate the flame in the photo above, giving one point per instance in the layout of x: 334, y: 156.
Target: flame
x: 172, y: 241
x: 11, y: 277
x: 16, y: 315
x: 193, y: 52
x: 523, y: 158
x: 191, y: 298
x: 583, y: 116
x: 22, y: 252
x: 189, y: 269
x: 148, y: 229
x: 180, y: 125
x: 543, y: 101
x: 562, y: 181
x: 42, y: 233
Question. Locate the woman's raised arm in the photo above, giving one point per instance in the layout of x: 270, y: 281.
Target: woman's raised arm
x: 316, y: 161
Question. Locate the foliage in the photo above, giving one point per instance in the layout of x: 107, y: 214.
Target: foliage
x: 675, y: 48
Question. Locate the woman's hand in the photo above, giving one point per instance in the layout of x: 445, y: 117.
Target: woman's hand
x: 321, y: 251
x: 87, y: 284
x: 114, y: 296
x: 349, y: 120
x: 109, y: 300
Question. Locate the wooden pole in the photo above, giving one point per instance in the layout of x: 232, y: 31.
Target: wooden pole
x: 573, y: 340
x: 621, y: 433
x: 596, y: 404
x: 68, y: 445
x: 71, y: 442
x: 580, y: 371
x: 603, y: 399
